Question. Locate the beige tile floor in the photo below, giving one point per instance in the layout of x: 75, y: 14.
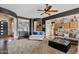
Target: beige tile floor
x: 25, y: 46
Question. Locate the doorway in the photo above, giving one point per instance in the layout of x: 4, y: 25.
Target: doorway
x: 6, y: 25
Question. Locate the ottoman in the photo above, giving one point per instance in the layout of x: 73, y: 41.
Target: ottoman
x: 60, y: 44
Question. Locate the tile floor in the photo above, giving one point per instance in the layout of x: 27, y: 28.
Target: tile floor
x: 25, y: 46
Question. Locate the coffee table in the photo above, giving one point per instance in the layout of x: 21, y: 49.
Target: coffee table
x: 60, y: 44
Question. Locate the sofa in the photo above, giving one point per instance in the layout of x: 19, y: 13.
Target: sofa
x: 37, y: 36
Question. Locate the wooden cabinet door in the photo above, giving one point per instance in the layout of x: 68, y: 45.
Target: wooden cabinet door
x: 76, y: 24
x: 73, y: 24
x: 66, y: 25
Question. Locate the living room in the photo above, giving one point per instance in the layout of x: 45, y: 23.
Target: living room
x: 34, y: 32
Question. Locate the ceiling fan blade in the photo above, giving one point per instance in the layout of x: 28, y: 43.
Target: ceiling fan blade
x: 48, y: 8
x: 53, y: 11
x: 40, y: 10
x: 45, y: 13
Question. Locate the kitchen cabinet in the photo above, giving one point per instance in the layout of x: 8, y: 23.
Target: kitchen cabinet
x: 66, y: 25
x: 73, y: 24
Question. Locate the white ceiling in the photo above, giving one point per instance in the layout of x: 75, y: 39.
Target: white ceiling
x: 29, y: 10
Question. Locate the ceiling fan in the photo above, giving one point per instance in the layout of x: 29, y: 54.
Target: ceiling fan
x: 47, y: 10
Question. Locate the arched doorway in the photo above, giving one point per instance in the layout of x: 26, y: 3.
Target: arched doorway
x: 8, y: 23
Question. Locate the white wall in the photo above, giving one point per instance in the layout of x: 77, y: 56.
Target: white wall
x: 48, y: 27
x: 15, y: 29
